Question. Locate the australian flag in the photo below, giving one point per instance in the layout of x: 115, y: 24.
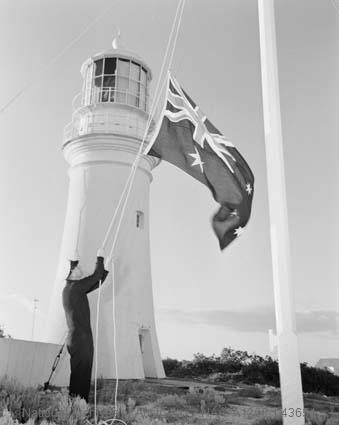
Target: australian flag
x: 187, y: 139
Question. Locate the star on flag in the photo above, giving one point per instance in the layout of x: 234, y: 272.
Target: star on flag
x: 197, y: 159
x: 249, y: 188
x: 238, y: 231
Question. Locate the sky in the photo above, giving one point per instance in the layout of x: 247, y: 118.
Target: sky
x: 204, y: 299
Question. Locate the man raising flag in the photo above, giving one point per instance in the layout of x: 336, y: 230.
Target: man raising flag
x: 187, y: 139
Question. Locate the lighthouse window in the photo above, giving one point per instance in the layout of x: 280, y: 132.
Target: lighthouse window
x: 110, y: 66
x: 123, y: 67
x: 140, y: 219
x: 98, y: 67
x: 143, y: 77
x: 98, y: 81
x: 135, y: 71
x: 109, y: 81
x: 123, y: 83
x: 141, y: 342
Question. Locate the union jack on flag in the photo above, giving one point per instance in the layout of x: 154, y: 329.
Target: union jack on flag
x: 186, y: 138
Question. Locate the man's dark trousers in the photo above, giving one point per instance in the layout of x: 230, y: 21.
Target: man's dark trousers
x: 80, y: 339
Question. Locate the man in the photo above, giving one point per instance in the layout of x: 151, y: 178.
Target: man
x: 80, y: 339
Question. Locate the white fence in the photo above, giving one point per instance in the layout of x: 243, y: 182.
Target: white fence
x: 30, y: 363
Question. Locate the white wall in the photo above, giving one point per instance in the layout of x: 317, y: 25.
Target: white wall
x: 99, y: 168
x: 30, y: 363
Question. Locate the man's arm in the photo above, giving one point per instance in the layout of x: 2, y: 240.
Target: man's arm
x: 101, y: 271
x: 90, y: 283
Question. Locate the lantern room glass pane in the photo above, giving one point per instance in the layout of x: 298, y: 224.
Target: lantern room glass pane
x: 109, y: 81
x: 134, y: 88
x: 121, y: 97
x: 110, y: 65
x: 98, y: 67
x: 98, y: 81
x: 135, y: 71
x: 122, y: 83
x: 143, y: 76
x: 123, y: 67
x: 105, y: 95
x: 142, y: 100
x: 132, y: 100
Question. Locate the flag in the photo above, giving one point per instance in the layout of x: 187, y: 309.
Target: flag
x: 187, y: 139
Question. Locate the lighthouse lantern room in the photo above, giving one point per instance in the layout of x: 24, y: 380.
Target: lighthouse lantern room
x: 114, y: 95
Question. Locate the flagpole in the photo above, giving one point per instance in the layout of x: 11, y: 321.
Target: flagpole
x: 289, y: 367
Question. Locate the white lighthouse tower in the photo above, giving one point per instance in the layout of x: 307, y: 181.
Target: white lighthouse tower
x: 100, y: 145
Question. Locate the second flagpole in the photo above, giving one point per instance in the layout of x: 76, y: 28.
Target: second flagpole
x: 289, y: 367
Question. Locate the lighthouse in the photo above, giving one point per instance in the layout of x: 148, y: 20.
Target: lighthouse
x: 100, y: 145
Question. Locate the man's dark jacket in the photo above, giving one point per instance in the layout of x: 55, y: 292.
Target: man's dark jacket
x: 80, y: 339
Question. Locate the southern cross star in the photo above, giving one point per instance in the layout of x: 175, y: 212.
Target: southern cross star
x: 238, y: 231
x: 197, y: 159
x: 249, y: 188
x: 234, y: 213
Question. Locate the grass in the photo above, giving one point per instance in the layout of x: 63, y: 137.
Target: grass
x: 253, y: 392
x: 145, y: 403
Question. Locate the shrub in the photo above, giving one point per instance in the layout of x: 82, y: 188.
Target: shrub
x: 30, y: 404
x: 316, y: 418
x: 317, y: 380
x: 206, y: 400
x: 170, y: 365
x: 250, y: 369
x: 262, y: 371
x: 254, y: 392
x: 171, y: 401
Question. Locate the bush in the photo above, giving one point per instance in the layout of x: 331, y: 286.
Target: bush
x: 254, y: 392
x: 317, y: 380
x: 22, y: 405
x: 202, y: 400
x: 240, y: 366
x: 316, y: 418
x: 171, y: 401
x: 206, y: 400
x: 170, y: 365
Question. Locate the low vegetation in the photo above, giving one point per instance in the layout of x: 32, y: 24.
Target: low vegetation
x: 240, y: 366
x: 235, y: 388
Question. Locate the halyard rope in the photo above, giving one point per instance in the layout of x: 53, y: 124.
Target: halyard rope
x: 154, y: 104
x: 174, y: 30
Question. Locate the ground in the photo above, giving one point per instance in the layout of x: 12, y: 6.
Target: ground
x: 186, y: 402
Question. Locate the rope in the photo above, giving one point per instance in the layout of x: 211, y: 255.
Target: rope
x: 96, y: 351
x: 156, y: 97
x: 128, y: 186
x: 154, y: 104
x: 115, y: 347
x: 114, y: 419
x: 54, y: 59
x: 129, y: 183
